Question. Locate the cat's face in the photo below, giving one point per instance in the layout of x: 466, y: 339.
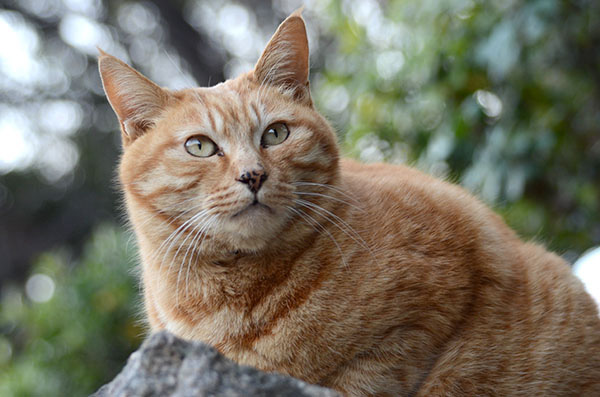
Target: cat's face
x: 232, y: 159
x: 222, y: 165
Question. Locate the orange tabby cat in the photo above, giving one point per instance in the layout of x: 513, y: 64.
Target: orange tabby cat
x: 256, y: 238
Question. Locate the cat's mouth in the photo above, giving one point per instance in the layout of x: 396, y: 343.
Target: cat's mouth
x: 255, y: 206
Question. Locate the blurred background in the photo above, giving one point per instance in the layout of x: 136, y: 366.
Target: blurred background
x: 501, y: 97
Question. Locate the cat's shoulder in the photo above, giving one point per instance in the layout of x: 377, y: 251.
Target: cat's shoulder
x: 392, y: 175
x: 399, y: 187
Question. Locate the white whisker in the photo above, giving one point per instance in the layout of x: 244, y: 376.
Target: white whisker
x: 177, y: 231
x: 200, y: 230
x: 330, y: 197
x: 338, y: 222
x: 326, y: 214
x: 312, y: 222
x: 199, y: 239
x: 204, y: 233
x: 327, y: 186
x: 193, y: 232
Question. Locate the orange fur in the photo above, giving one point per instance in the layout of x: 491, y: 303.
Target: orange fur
x: 369, y: 279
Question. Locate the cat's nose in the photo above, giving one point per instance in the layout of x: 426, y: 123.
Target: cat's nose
x: 254, y: 179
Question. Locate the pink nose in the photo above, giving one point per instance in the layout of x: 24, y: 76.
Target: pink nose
x: 254, y: 179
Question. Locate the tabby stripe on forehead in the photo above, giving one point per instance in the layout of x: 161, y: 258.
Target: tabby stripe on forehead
x: 246, y: 112
x: 256, y: 112
x: 220, y: 116
x: 211, y: 120
x: 232, y: 115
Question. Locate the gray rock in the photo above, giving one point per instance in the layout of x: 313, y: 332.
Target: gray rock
x: 168, y: 366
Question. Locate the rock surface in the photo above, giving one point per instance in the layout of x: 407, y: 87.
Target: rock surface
x: 168, y: 366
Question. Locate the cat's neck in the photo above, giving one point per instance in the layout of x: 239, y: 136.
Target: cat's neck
x: 221, y: 274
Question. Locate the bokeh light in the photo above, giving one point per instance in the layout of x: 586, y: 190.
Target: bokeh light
x: 40, y: 288
x: 587, y: 268
x: 19, y: 143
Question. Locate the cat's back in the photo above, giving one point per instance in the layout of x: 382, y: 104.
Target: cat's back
x: 522, y: 324
x: 404, y: 202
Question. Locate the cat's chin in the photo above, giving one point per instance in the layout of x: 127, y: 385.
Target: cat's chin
x: 255, y: 209
x: 252, y: 228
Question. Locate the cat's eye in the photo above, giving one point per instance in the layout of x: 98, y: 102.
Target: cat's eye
x: 200, y: 146
x: 275, y: 134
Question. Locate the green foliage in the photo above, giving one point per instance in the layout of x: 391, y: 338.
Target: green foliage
x: 81, y: 337
x: 501, y: 97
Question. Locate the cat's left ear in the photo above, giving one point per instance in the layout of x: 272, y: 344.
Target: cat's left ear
x: 284, y: 62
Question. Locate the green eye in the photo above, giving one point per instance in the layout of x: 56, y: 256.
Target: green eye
x: 200, y: 146
x: 275, y: 134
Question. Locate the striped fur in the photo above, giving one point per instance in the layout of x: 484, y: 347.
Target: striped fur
x: 370, y: 279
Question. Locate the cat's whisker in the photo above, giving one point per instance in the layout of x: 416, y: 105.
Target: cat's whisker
x: 192, y: 222
x: 174, y: 237
x: 281, y: 184
x: 182, y: 214
x: 176, y: 207
x: 196, y: 230
x: 335, y: 220
x: 327, y: 186
x: 330, y: 197
x: 176, y: 231
x: 204, y: 233
x: 178, y: 237
x: 199, y: 236
x: 178, y: 204
x: 172, y: 219
x: 312, y: 222
x: 182, y: 264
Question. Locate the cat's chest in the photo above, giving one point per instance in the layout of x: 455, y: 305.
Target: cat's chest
x: 226, y: 313
x: 234, y: 334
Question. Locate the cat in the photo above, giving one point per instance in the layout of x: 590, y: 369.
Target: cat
x: 256, y: 237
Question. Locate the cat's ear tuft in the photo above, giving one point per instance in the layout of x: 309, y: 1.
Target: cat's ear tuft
x: 136, y: 100
x: 285, y: 61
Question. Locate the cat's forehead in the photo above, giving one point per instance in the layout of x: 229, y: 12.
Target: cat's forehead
x: 220, y: 109
x: 230, y: 108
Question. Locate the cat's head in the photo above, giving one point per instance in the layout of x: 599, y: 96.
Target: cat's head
x: 225, y: 161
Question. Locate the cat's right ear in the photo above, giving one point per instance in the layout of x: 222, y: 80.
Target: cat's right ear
x: 285, y: 61
x: 136, y: 100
